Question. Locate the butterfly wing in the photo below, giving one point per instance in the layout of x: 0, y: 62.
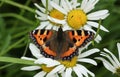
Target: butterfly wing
x: 41, y: 38
x: 81, y: 37
x: 77, y: 39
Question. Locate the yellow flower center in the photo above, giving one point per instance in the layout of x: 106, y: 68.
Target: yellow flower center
x: 118, y: 71
x: 46, y: 69
x: 76, y: 18
x: 66, y: 63
x: 57, y: 14
x: 69, y: 63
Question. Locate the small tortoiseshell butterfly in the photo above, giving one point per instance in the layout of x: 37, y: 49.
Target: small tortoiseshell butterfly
x: 60, y: 45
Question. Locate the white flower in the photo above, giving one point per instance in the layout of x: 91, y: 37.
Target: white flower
x: 36, y: 53
x: 65, y: 68
x: 79, y: 17
x: 111, y: 62
x: 42, y: 15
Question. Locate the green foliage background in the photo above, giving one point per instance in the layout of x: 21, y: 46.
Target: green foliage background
x: 17, y: 19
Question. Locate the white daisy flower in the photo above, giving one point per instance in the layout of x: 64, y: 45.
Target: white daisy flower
x: 66, y: 67
x: 42, y: 15
x: 79, y: 17
x: 111, y: 62
x: 45, y: 70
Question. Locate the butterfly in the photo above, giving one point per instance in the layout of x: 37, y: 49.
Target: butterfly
x: 60, y: 45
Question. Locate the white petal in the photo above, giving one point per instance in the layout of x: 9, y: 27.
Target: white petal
x: 27, y: 58
x: 68, y: 72
x: 49, y: 27
x: 99, y: 17
x: 63, y: 74
x: 44, y: 4
x: 84, y: 70
x: 57, y: 1
x: 49, y: 62
x: 43, y: 25
x: 30, y: 68
x: 41, y: 18
x: 77, y: 71
x: 81, y: 49
x: 69, y: 5
x: 35, y: 51
x: 89, y: 52
x: 90, y: 5
x: 54, y: 75
x: 55, y: 70
x: 107, y: 64
x: 118, y: 46
x: 110, y: 59
x: 74, y: 4
x: 39, y: 7
x: 113, y: 56
x: 55, y: 28
x: 98, y: 13
x: 56, y: 20
x: 89, y: 28
x: 87, y: 60
x: 40, y: 13
x: 62, y: 70
x: 58, y: 7
x: 40, y: 74
x: 98, y: 38
x: 102, y: 14
x: 83, y: 4
x: 63, y: 4
x: 66, y: 27
x: 94, y: 24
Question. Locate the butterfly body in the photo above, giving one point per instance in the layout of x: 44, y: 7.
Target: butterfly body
x: 60, y: 45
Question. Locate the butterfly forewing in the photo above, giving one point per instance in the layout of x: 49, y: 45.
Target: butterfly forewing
x: 81, y: 37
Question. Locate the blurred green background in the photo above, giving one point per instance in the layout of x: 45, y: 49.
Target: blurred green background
x: 17, y: 19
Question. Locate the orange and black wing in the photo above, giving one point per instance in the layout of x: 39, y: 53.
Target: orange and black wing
x: 40, y: 38
x: 78, y: 39
x: 81, y: 37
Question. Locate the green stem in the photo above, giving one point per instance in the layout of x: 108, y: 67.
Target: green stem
x: 18, y: 17
x: 18, y: 5
x: 26, y: 49
x: 20, y: 34
x: 98, y: 28
x: 16, y: 60
x: 46, y: 6
x: 22, y: 12
x: 11, y: 46
x: 5, y: 66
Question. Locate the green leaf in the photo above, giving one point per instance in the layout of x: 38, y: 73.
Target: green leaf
x: 16, y: 60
